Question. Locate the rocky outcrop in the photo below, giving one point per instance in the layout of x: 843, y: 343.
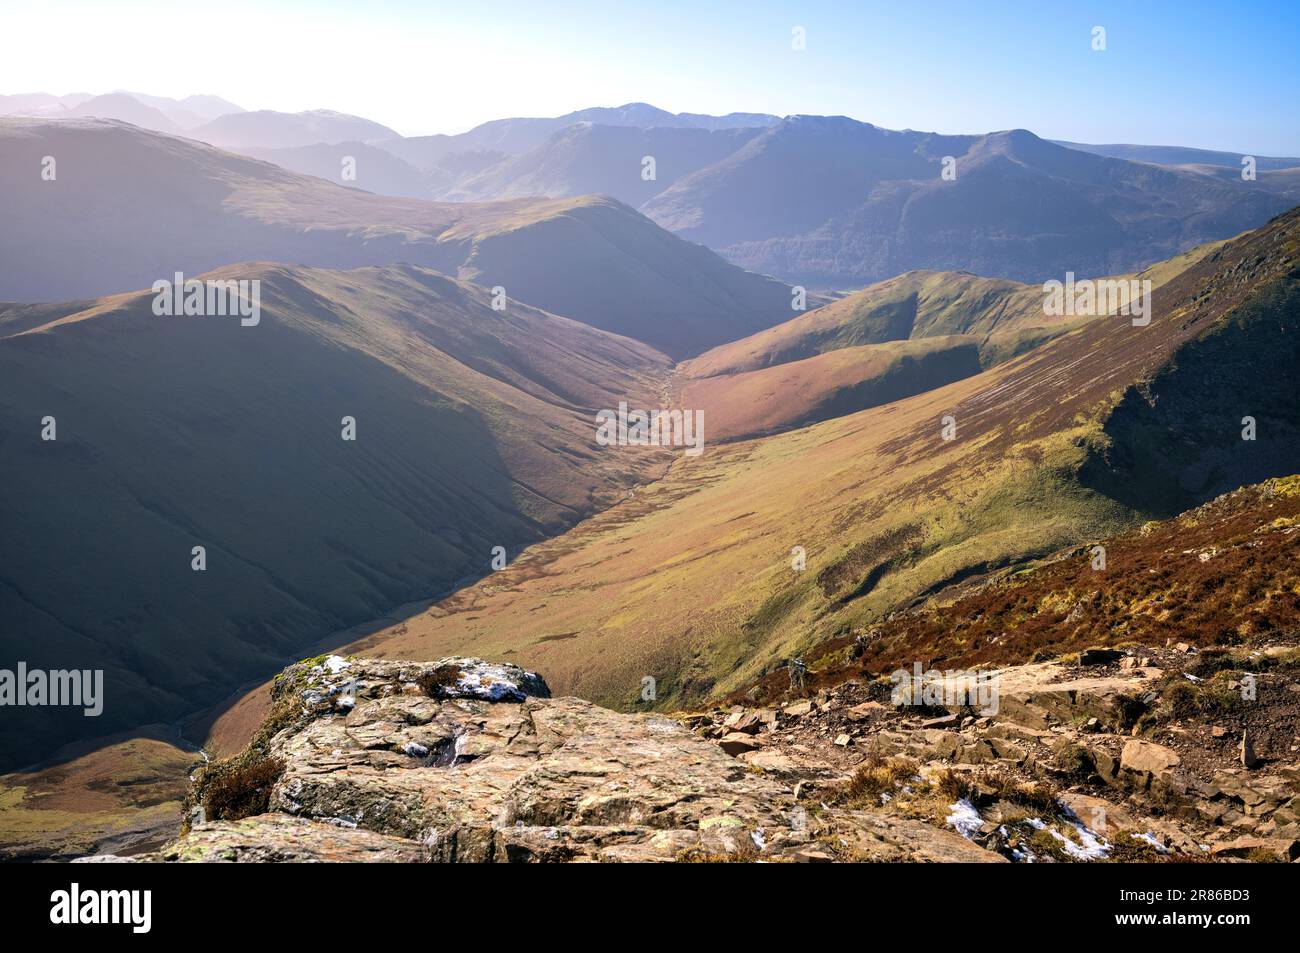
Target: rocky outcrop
x: 461, y: 760
x: 464, y: 761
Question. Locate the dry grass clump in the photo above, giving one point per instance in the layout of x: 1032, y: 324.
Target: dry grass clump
x: 236, y: 788
x: 984, y: 787
x: 437, y: 682
x: 877, y: 775
x: 698, y: 855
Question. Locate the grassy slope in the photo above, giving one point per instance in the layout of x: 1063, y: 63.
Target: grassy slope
x: 1223, y: 574
x: 474, y: 430
x: 838, y: 382
x: 122, y: 796
x: 690, y: 582
x: 901, y: 337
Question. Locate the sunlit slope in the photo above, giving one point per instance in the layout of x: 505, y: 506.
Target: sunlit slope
x: 127, y: 207
x: 473, y: 430
x: 691, y: 582
x: 119, y: 797
x: 843, y: 381
x: 888, y: 341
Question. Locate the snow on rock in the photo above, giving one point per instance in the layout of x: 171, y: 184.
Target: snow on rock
x: 965, y: 818
x: 1153, y: 840
x: 335, y: 664
x: 494, y: 681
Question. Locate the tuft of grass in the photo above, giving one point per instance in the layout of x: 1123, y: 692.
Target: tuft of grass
x: 437, y: 682
x: 984, y: 787
x: 1184, y: 699
x: 1075, y: 762
x: 697, y: 855
x: 1127, y: 849
x: 237, y: 789
x: 877, y: 775
x: 1042, y: 842
x: 1262, y: 855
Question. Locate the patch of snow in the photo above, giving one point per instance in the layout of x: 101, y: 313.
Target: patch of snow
x: 965, y: 818
x: 1090, y: 846
x: 1154, y: 841
x: 335, y: 664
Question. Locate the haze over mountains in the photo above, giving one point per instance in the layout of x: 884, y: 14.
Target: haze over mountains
x: 194, y: 208
x: 824, y: 201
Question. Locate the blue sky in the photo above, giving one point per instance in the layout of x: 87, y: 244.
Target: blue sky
x: 1190, y: 72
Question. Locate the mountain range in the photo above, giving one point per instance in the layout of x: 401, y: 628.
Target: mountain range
x: 197, y: 208
x: 823, y: 201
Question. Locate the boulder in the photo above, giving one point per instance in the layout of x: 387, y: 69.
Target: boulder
x: 1284, y: 849
x: 1247, y: 752
x: 1145, y: 757
x: 737, y: 742
x: 943, y: 721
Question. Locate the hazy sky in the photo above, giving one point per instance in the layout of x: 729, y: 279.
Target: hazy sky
x: 1217, y: 75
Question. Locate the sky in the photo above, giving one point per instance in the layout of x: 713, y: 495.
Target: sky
x: 1173, y: 72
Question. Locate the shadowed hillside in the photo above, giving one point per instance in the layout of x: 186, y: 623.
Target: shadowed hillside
x: 473, y: 430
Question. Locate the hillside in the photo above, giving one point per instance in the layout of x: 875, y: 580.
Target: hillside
x: 891, y: 340
x: 691, y: 582
x: 831, y: 202
x: 129, y: 207
x: 1125, y: 754
x: 473, y: 430
x: 1148, y: 752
